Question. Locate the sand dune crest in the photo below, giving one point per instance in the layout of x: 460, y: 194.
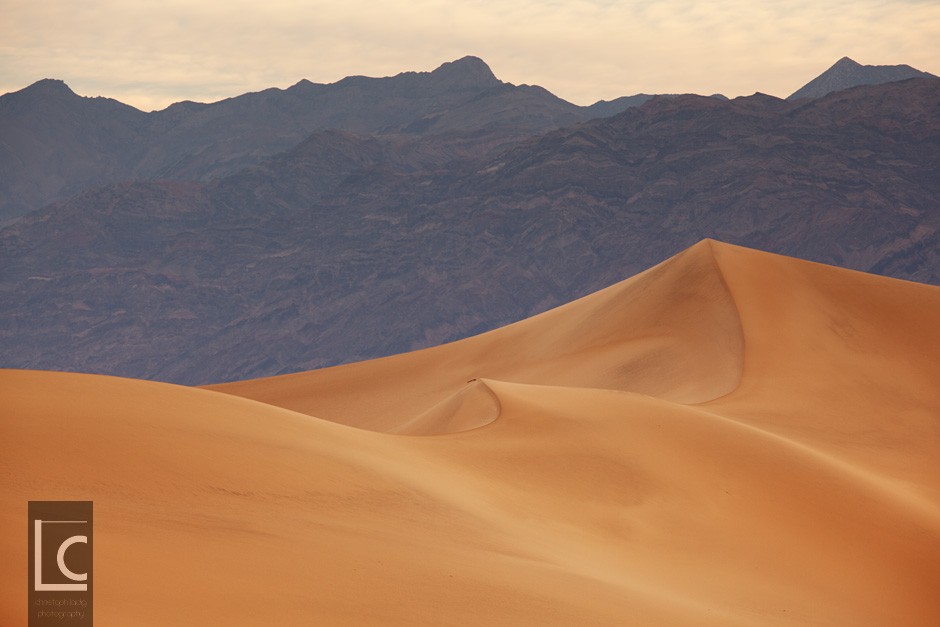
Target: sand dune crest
x: 671, y: 332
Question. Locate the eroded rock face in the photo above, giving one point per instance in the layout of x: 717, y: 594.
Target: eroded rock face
x: 350, y: 246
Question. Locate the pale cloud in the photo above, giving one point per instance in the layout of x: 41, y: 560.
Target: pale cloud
x: 151, y: 54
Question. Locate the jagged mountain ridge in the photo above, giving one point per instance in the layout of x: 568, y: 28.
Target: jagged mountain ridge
x: 347, y: 247
x: 58, y: 144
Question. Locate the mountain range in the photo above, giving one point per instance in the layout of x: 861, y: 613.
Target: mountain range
x: 404, y: 212
x: 58, y: 143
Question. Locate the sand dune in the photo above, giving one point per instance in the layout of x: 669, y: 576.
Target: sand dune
x: 730, y: 438
x: 671, y: 332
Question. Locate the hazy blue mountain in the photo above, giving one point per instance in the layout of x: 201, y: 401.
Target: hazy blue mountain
x: 847, y: 73
x: 53, y: 144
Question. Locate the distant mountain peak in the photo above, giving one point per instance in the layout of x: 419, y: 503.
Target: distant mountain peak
x: 846, y: 73
x: 49, y: 87
x: 468, y: 71
x: 468, y: 63
x: 846, y: 62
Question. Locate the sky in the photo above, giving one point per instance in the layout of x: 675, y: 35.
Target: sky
x: 150, y: 54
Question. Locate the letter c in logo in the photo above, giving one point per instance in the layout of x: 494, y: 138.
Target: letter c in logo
x: 60, y: 558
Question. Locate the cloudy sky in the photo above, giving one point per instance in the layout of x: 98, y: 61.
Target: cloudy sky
x: 150, y: 54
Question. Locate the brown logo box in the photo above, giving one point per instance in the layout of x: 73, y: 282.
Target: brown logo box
x: 60, y: 563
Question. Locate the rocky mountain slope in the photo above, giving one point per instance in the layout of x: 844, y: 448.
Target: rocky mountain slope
x: 350, y: 246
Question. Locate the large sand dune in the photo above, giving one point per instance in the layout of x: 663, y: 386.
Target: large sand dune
x: 730, y: 438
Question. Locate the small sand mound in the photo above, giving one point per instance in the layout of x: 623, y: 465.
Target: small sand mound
x: 473, y: 406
